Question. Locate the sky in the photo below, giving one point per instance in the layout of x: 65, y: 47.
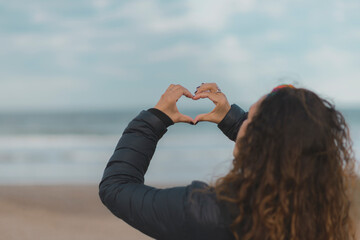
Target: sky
x: 104, y: 54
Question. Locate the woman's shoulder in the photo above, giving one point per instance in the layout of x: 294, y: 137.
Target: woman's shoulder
x: 204, y: 212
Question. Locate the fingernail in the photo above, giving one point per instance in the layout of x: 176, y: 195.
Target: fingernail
x: 195, y: 92
x: 196, y: 122
x: 191, y: 123
x: 197, y: 86
x: 202, y: 83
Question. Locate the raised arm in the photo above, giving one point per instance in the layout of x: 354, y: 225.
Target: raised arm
x: 122, y: 188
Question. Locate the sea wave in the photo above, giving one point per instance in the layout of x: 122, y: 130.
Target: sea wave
x: 183, y: 154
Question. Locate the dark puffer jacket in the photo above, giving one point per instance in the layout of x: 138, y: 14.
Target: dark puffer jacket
x: 171, y: 213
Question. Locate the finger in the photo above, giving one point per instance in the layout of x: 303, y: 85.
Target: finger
x: 187, y: 93
x: 185, y: 118
x: 212, y: 96
x: 180, y: 90
x: 171, y: 86
x: 212, y: 87
x: 202, y: 117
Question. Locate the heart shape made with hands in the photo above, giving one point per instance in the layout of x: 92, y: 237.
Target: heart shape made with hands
x: 168, y: 103
x: 218, y: 112
x: 198, y: 107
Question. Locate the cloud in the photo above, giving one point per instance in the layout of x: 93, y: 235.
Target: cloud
x: 174, y: 52
x: 335, y: 72
x: 202, y: 15
x: 273, y: 36
x: 342, y: 10
x: 101, y: 4
x: 34, y: 92
x: 229, y: 49
x: 330, y: 58
x: 246, y: 46
x: 226, y: 53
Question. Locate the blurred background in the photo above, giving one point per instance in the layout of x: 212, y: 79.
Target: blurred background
x: 74, y: 73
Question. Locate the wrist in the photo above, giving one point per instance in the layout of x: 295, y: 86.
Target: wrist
x: 162, y: 116
x: 225, y: 111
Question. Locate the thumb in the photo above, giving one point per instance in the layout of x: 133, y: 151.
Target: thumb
x: 185, y: 118
x: 202, y: 117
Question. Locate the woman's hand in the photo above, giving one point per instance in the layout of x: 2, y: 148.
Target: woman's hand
x: 167, y: 103
x: 222, y: 106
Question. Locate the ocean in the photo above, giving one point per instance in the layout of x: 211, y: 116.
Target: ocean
x: 74, y: 147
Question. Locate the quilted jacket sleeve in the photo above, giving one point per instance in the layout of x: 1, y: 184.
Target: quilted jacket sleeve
x: 122, y: 188
x: 232, y: 121
x: 171, y: 213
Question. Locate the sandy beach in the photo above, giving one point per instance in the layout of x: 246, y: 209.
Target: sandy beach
x: 59, y: 213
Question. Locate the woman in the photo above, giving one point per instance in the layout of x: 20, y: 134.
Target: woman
x: 289, y: 180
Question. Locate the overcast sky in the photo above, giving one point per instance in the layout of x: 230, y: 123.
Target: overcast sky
x: 105, y: 54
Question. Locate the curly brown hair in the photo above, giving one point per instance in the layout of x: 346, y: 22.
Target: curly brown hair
x: 290, y: 177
